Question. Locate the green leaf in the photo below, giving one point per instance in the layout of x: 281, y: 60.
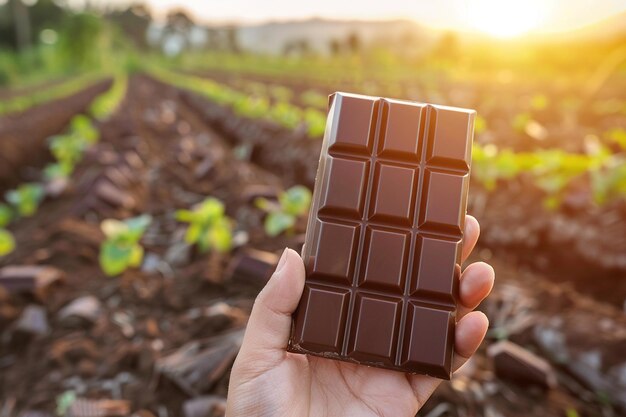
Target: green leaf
x: 26, y: 198
x: 113, y: 228
x: 210, y: 209
x: 277, y: 222
x: 136, y: 256
x: 185, y: 216
x: 194, y: 231
x: 262, y: 203
x: 114, y: 259
x: 64, y: 402
x: 7, y: 242
x: 139, y: 223
x: 58, y: 170
x: 221, y: 236
x: 6, y: 215
x: 296, y: 200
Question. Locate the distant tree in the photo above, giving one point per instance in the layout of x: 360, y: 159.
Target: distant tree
x: 83, y: 40
x: 21, y: 24
x: 232, y: 40
x: 178, y: 20
x: 353, y: 42
x: 334, y: 46
x: 134, y: 22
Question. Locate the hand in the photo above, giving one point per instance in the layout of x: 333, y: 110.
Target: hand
x: 266, y: 380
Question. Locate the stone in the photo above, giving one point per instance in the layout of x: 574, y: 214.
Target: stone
x: 33, y: 279
x: 516, y: 364
x: 87, y: 308
x: 33, y: 321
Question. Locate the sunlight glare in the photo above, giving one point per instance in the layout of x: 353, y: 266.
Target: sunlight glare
x: 506, y: 18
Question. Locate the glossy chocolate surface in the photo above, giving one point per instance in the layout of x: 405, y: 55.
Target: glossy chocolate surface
x: 383, y: 243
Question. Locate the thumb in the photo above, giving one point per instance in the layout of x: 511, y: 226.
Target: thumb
x: 269, y: 325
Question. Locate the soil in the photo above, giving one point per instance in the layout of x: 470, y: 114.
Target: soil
x: 23, y: 135
x: 163, y: 150
x: 513, y: 220
x: 8, y: 93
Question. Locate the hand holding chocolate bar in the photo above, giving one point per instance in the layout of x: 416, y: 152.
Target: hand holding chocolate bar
x: 266, y: 380
x: 381, y: 281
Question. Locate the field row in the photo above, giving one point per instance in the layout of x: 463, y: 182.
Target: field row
x: 602, y: 165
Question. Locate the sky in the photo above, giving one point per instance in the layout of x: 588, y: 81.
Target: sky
x: 486, y: 15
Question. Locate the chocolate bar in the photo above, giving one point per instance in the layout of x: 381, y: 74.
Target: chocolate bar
x: 383, y: 244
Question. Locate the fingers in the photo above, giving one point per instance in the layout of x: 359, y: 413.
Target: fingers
x: 476, y: 283
x: 470, y: 332
x: 269, y: 325
x: 470, y: 237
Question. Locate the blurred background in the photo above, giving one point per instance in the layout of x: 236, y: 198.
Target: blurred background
x: 156, y: 157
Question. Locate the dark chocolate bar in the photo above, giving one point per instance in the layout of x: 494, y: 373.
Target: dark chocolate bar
x: 383, y: 244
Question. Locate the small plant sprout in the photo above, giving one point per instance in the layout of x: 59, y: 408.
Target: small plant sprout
x: 67, y: 149
x: 282, y: 217
x: 64, y: 402
x: 26, y: 198
x: 7, y: 242
x: 6, y: 215
x: 57, y: 170
x: 209, y: 228
x: 81, y: 127
x: 121, y: 249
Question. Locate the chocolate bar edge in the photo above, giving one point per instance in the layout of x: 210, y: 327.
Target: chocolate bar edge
x: 423, y: 368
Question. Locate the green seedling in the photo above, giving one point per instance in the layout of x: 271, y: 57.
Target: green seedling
x: 6, y: 215
x: 82, y: 127
x: 68, y: 149
x: 104, y: 106
x: 286, y: 115
x: 209, y: 227
x: 7, y: 242
x: 64, y: 402
x: 315, y: 122
x: 121, y: 249
x: 26, y: 198
x: 282, y: 217
x: 314, y: 99
x: 58, y: 170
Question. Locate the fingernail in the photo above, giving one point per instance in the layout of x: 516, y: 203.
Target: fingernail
x: 281, y: 262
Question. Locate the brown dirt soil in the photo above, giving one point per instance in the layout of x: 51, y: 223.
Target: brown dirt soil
x: 514, y: 222
x: 159, y: 153
x: 23, y: 135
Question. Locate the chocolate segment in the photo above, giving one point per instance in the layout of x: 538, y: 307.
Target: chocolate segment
x: 383, y: 244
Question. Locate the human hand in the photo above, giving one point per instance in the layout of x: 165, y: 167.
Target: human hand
x: 266, y: 380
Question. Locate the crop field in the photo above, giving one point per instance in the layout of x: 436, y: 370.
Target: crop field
x: 143, y: 206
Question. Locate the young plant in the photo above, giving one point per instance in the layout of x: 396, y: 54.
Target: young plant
x: 26, y: 198
x: 7, y: 242
x: 6, y: 215
x: 57, y: 170
x: 84, y: 130
x: 282, y: 217
x: 209, y: 227
x: 67, y: 149
x: 121, y: 249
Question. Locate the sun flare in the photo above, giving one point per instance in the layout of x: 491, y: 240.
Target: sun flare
x: 506, y: 18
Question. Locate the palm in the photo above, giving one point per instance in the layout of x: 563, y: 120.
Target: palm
x: 268, y: 381
x: 311, y: 386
